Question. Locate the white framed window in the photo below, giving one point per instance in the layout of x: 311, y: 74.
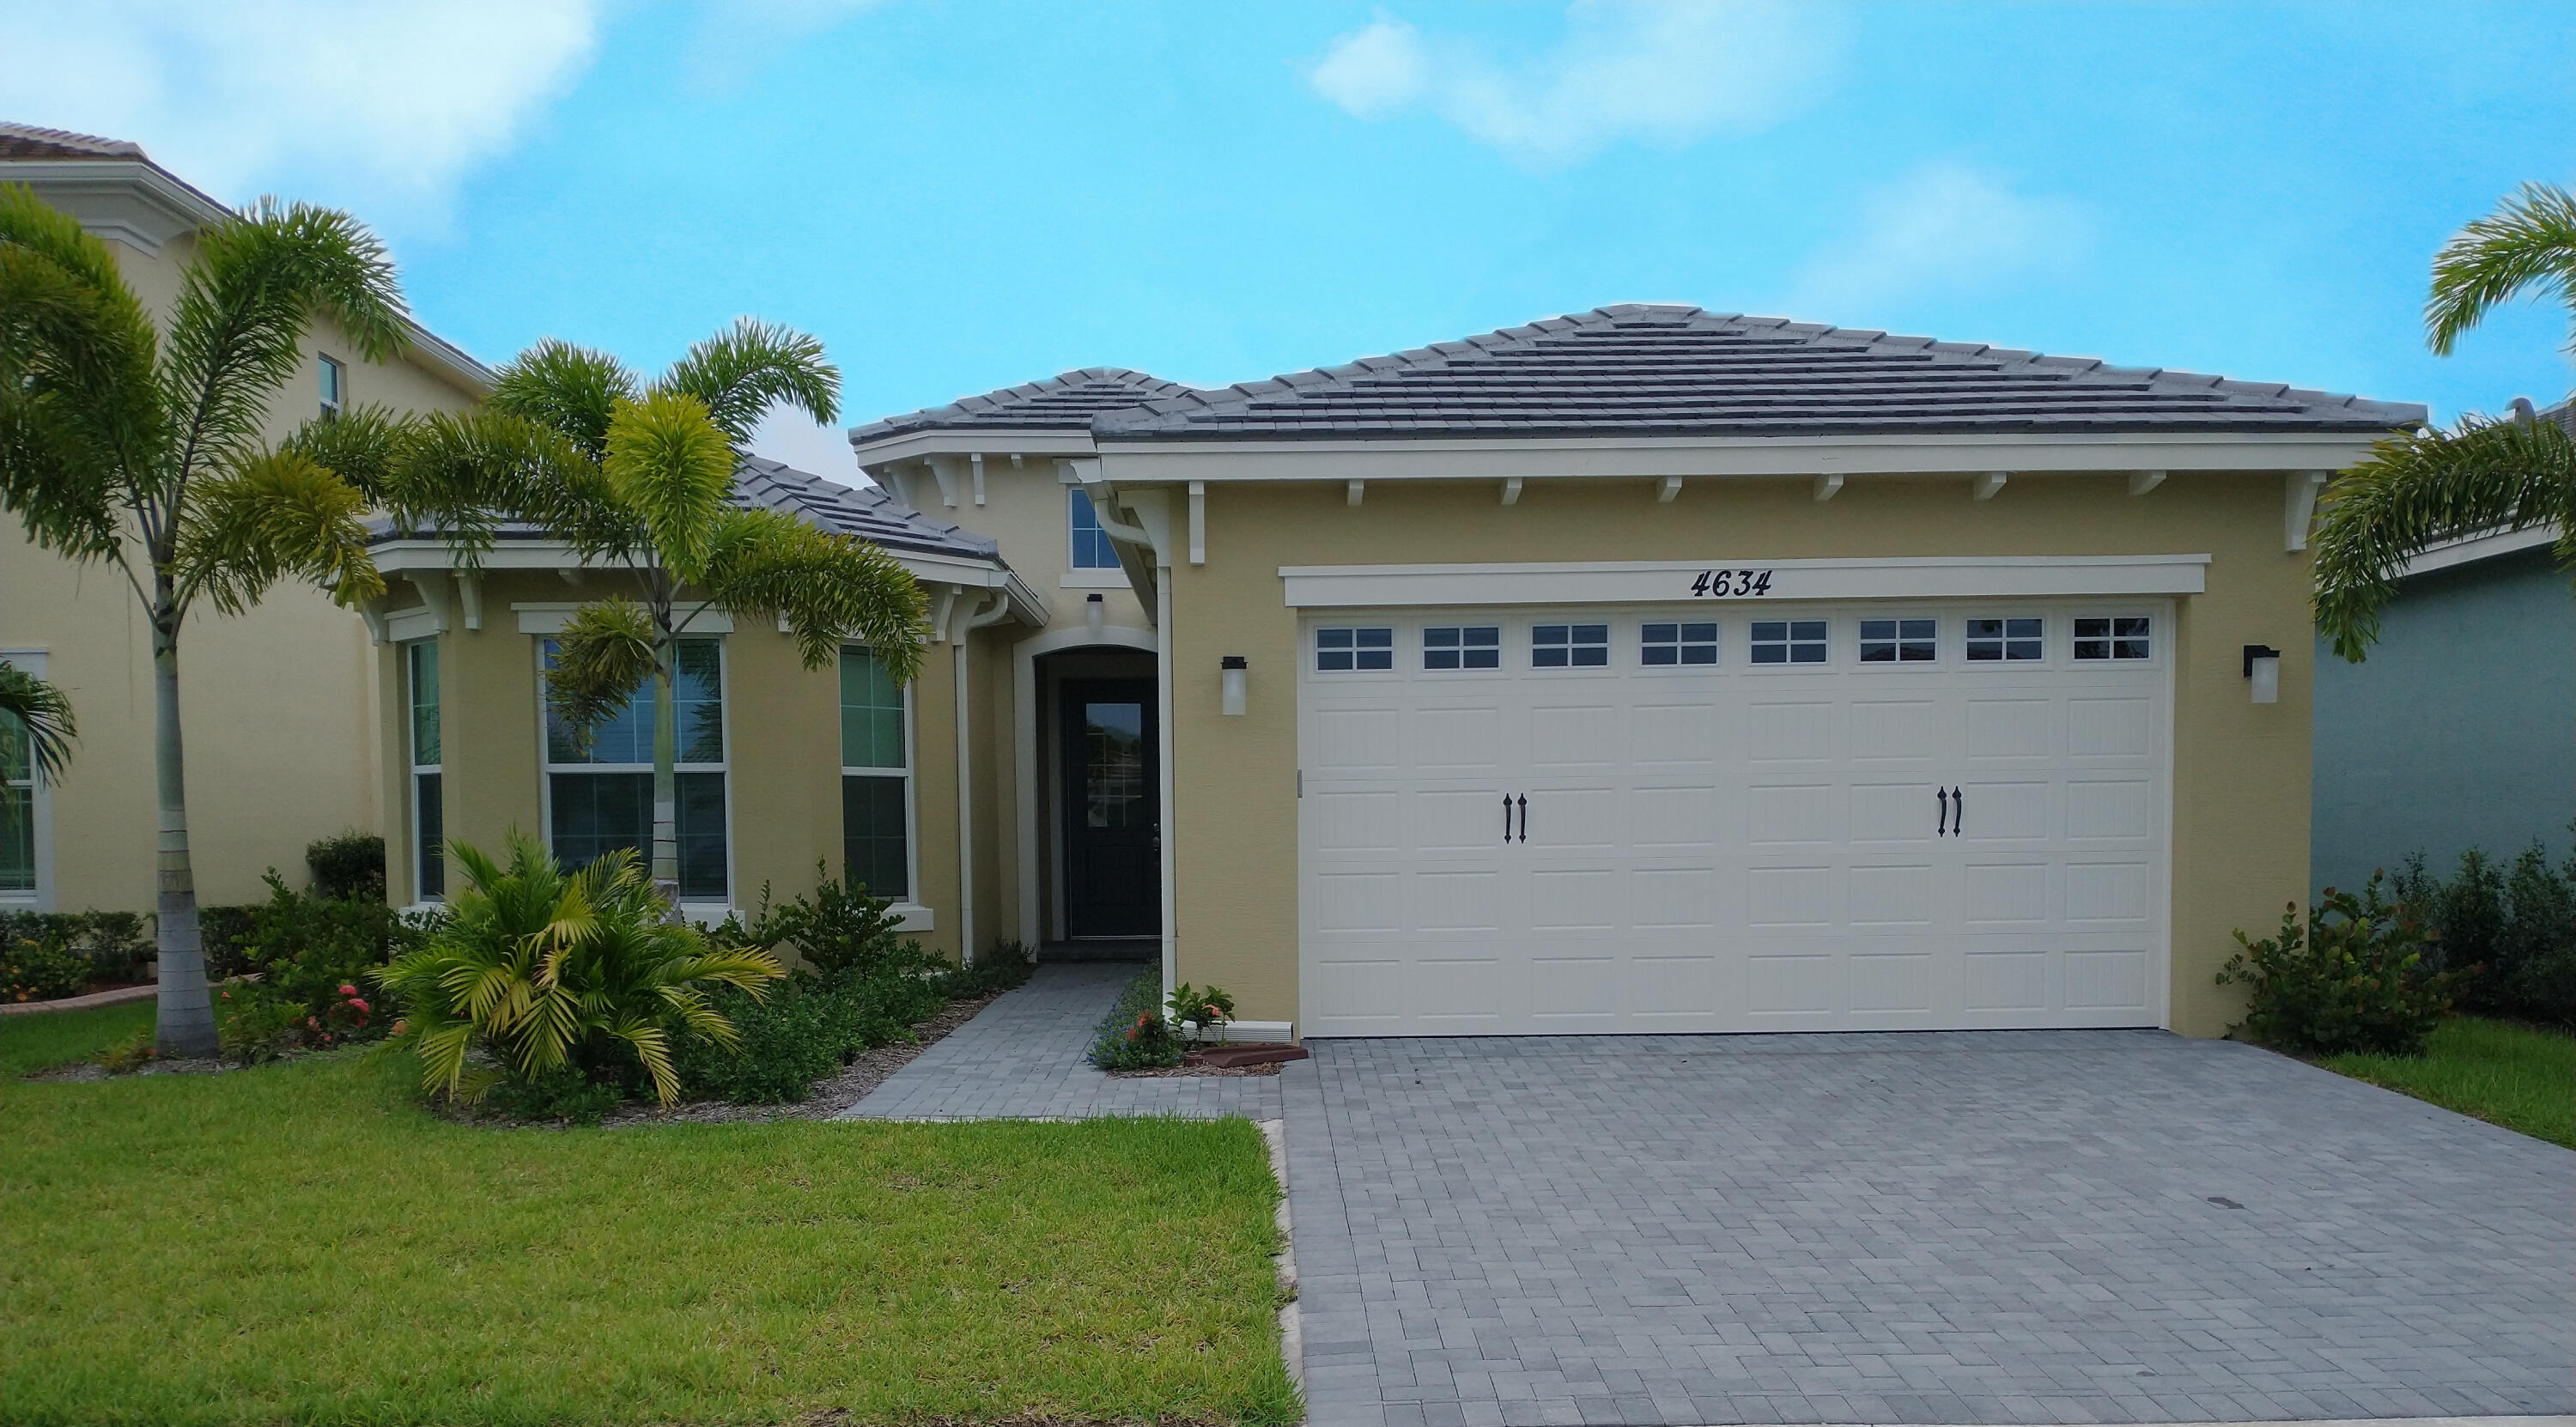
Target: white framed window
x: 1675, y: 643
x: 1569, y: 646
x: 2019, y: 639
x: 23, y: 797
x: 1091, y: 547
x: 1789, y: 641
x: 428, y: 784
x: 1898, y: 641
x: 601, y: 799
x: 1346, y: 650
x: 1462, y: 646
x: 2127, y: 636
x: 876, y: 777
x: 335, y: 388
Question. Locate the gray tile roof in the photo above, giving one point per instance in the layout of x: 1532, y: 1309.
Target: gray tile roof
x: 1649, y: 370
x: 862, y: 511
x: 27, y: 141
x: 1060, y: 403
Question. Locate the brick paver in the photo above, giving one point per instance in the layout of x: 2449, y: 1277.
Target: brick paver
x: 1982, y: 1228
x: 1021, y: 1058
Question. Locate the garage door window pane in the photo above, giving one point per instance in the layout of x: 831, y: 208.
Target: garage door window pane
x: 1679, y: 644
x: 1561, y: 646
x: 1896, y: 641
x: 2007, y: 640
x: 1343, y: 650
x: 1471, y: 646
x: 2124, y: 637
x: 1789, y: 641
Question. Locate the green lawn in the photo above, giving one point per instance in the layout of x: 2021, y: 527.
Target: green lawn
x: 50, y: 1038
x: 301, y: 1243
x: 2515, y: 1076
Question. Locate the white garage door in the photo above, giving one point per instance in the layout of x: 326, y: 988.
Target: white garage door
x: 1817, y: 817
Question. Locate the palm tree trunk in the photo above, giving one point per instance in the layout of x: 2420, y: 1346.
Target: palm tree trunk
x: 666, y: 778
x: 187, y: 1013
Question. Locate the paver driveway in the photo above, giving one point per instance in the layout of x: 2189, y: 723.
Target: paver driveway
x: 1999, y: 1227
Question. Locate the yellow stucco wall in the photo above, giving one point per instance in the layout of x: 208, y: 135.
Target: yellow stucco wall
x: 278, y: 707
x: 2240, y: 770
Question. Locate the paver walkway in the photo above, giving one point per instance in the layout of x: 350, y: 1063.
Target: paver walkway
x: 1021, y: 1058
x: 2001, y: 1227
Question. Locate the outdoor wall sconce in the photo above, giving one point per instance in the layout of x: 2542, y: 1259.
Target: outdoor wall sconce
x: 1230, y: 676
x: 1095, y: 613
x: 2263, y: 666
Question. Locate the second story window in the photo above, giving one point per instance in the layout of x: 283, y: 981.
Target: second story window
x: 335, y: 388
x: 1091, y: 548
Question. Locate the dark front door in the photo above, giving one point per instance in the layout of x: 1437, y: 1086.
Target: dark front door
x: 1113, y: 850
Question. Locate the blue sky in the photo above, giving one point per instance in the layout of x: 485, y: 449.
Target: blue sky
x: 959, y: 196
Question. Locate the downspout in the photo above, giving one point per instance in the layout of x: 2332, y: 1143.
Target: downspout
x: 994, y: 613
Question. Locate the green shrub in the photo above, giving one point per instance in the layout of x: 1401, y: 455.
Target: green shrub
x: 564, y: 1093
x: 2353, y: 979
x: 1135, y: 1035
x: 1211, y: 1010
x: 807, y: 1027
x: 538, y: 970
x: 835, y: 928
x: 34, y: 970
x: 130, y: 1054
x: 255, y: 1023
x: 2510, y: 932
x: 44, y: 955
x: 307, y: 949
x: 224, y: 932
x: 347, y: 864
x: 1007, y: 965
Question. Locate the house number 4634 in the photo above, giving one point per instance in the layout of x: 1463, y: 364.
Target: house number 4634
x: 1722, y: 584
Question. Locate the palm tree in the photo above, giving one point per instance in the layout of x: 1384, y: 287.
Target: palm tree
x: 35, y: 723
x: 2420, y: 488
x: 639, y: 478
x: 124, y: 448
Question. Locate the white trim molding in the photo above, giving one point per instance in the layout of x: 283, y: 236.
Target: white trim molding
x: 2451, y: 554
x: 2299, y: 507
x: 549, y: 617
x: 1024, y: 741
x: 30, y: 659
x: 1648, y: 581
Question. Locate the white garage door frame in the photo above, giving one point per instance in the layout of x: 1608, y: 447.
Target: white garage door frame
x: 1523, y: 955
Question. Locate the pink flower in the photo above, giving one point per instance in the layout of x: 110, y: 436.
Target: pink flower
x: 312, y: 1021
x: 361, y: 1005
x: 348, y: 990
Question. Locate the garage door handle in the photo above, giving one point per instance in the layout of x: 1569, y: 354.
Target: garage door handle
x: 1941, y: 828
x: 1958, y: 812
x: 1507, y: 817
x: 1524, y: 817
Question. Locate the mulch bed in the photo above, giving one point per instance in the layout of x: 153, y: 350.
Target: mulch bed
x: 1232, y: 1059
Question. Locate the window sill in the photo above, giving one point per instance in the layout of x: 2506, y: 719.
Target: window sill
x: 913, y: 917
x: 1112, y: 579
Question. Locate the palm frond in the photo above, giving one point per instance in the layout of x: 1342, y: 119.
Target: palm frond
x: 741, y: 373
x: 831, y: 588
x: 459, y: 475
x: 670, y: 467
x: 36, y: 723
x: 605, y: 652
x: 276, y: 514
x: 363, y: 446
x: 2529, y: 242
x: 2419, y: 489
x: 572, y: 391
x: 249, y: 297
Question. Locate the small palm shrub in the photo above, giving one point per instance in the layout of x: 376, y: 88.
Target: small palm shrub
x: 538, y: 970
x: 2354, y: 978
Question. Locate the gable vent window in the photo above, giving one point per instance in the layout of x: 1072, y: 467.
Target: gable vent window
x: 1679, y: 644
x: 2005, y: 640
x: 335, y: 388
x: 1788, y: 641
x: 1091, y: 548
x: 1474, y: 646
x: 2125, y: 637
x: 1342, y: 650
x: 1896, y: 641
x: 1561, y: 646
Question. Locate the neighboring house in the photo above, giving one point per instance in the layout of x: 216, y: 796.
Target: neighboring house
x: 2459, y: 731
x: 1650, y: 669
x: 278, y: 705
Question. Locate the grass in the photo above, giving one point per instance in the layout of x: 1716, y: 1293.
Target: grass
x: 302, y: 1243
x: 47, y: 1039
x: 2520, y: 1077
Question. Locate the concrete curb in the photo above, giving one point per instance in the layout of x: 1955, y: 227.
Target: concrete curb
x: 1292, y: 1339
x: 117, y: 997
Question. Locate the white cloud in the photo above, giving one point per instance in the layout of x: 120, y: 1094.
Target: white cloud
x: 395, y: 99
x: 1943, y: 228
x: 786, y: 434
x: 735, y: 37
x: 1663, y: 71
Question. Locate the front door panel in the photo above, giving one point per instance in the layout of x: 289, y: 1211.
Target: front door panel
x: 1113, y: 845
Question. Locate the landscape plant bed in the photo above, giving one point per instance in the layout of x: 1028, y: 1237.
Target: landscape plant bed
x: 342, y: 1255
x: 1230, y: 1058
x: 830, y: 1096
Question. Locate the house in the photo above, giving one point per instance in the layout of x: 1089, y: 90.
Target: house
x: 1649, y: 669
x: 2459, y: 731
x: 278, y: 705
